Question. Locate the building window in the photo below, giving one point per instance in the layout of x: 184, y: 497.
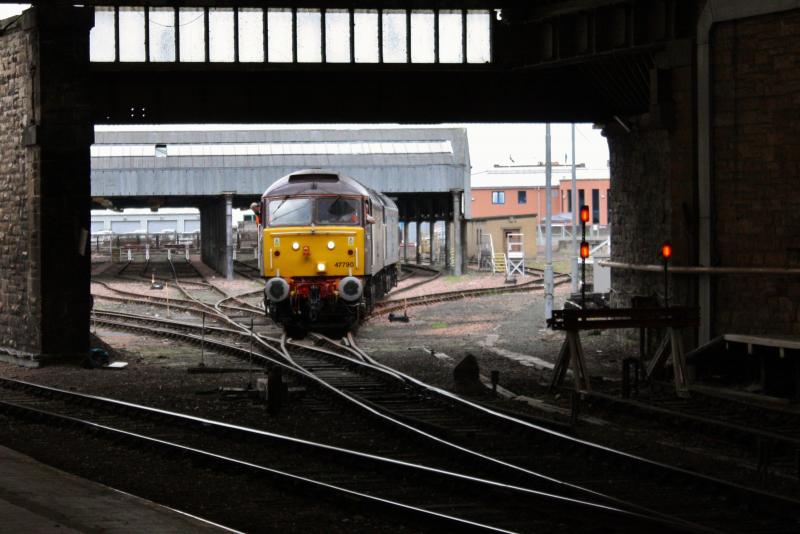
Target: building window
x: 161, y: 151
x: 595, y: 206
x: 498, y: 197
x: 581, y: 198
x: 522, y: 197
x: 569, y: 201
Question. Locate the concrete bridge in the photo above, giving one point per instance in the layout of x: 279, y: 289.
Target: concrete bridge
x: 697, y: 99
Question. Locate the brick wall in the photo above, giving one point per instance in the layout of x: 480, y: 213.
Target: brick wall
x: 756, y: 171
x: 20, y: 302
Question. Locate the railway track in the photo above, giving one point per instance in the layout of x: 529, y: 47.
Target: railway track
x: 553, y: 460
x: 449, y: 499
x: 350, y: 389
x: 416, y: 411
x: 388, y: 306
x: 769, y: 437
x: 531, y: 456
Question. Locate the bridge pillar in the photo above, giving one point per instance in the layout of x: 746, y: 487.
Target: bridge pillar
x: 458, y: 237
x: 653, y: 189
x: 448, y: 231
x: 45, y: 133
x: 405, y: 241
x: 417, y: 239
x: 216, y: 230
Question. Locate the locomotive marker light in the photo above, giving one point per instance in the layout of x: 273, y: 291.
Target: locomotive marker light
x: 666, y: 253
x: 331, y: 245
x: 295, y: 246
x: 321, y: 267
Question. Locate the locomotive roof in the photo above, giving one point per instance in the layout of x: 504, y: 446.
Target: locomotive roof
x: 316, y: 182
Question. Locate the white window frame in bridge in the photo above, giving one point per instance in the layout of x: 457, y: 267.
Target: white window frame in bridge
x: 498, y: 197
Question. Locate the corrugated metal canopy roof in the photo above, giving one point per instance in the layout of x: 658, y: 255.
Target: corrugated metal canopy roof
x: 174, y: 163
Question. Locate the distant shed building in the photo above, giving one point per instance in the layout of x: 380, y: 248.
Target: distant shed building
x: 176, y: 220
x: 425, y: 170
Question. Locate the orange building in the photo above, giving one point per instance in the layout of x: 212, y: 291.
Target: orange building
x: 520, y: 190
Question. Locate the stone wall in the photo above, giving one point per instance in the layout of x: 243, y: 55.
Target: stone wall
x: 756, y: 171
x: 653, y: 193
x: 45, y: 133
x: 20, y: 299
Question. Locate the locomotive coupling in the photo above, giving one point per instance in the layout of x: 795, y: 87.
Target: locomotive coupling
x: 277, y: 289
x: 350, y: 288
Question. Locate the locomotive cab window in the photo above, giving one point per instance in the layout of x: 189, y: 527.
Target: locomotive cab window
x: 338, y: 210
x: 290, y: 212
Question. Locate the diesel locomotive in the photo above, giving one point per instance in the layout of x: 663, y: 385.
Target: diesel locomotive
x: 329, y: 250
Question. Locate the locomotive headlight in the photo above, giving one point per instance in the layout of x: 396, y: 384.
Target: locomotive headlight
x: 295, y: 246
x: 321, y: 267
x: 331, y: 245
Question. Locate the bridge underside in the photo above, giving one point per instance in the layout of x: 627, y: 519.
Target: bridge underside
x: 703, y: 145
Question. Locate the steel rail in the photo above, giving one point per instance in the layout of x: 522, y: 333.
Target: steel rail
x: 399, y: 304
x: 782, y: 501
x: 385, y: 415
x: 210, y: 425
x: 228, y: 462
x: 435, y: 274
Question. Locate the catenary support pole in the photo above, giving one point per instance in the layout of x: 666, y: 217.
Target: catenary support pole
x: 574, y: 210
x: 548, y: 268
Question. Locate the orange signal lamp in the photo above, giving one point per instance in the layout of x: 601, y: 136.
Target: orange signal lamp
x: 666, y: 251
x: 584, y: 249
x: 585, y: 214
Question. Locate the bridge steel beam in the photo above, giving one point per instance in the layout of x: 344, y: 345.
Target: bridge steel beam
x: 45, y: 132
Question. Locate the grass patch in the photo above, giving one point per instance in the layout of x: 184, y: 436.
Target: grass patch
x: 451, y: 279
x: 439, y: 324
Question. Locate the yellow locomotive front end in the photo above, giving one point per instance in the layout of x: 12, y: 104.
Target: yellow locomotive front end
x: 313, y: 244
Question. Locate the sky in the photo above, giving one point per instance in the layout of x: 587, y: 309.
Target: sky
x: 490, y: 144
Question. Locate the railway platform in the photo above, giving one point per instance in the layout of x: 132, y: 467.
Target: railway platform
x: 37, y: 498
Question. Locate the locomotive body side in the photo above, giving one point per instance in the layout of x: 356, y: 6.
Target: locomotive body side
x: 325, y: 248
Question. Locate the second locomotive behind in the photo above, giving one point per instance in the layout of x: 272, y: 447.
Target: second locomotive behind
x: 329, y: 250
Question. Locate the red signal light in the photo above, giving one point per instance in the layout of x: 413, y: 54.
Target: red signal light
x: 306, y: 250
x: 584, y: 249
x: 585, y: 214
x: 666, y: 251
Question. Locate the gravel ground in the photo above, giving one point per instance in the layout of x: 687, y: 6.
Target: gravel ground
x: 506, y: 333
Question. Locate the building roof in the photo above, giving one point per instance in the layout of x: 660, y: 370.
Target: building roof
x: 146, y: 211
x: 532, y: 176
x: 136, y: 163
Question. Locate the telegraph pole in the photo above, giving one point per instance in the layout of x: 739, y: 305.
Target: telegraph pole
x: 548, y: 268
x: 574, y: 214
